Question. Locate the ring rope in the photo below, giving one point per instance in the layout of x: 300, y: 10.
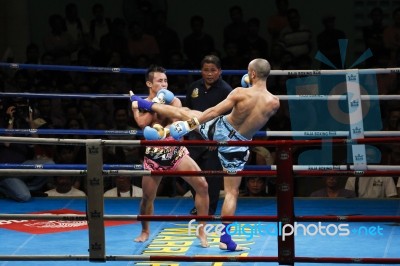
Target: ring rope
x: 197, y: 258
x: 308, y: 142
x: 125, y: 96
x: 197, y: 72
x: 306, y: 134
x: 177, y: 218
x: 109, y: 167
x: 270, y: 173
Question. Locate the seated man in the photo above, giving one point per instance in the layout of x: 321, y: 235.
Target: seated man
x: 372, y: 186
x: 64, y: 188
x: 333, y: 190
x: 124, y: 188
x: 256, y: 186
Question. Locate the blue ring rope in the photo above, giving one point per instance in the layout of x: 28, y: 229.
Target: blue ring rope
x: 109, y: 69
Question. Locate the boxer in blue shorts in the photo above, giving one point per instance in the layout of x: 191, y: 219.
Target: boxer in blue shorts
x: 250, y: 106
x: 232, y: 158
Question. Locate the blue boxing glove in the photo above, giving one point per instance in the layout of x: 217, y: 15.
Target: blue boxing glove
x: 181, y: 128
x: 245, y: 82
x: 142, y: 104
x: 157, y: 132
x: 164, y: 96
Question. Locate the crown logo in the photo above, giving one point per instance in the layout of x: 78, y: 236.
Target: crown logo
x: 95, y: 214
x: 96, y: 246
x: 359, y: 157
x: 356, y: 130
x: 94, y: 181
x: 352, y: 77
x: 93, y: 150
x: 354, y: 103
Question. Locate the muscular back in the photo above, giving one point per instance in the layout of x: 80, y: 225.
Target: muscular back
x: 252, y: 108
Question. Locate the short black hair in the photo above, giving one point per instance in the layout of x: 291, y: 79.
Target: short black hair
x: 153, y: 69
x: 211, y: 59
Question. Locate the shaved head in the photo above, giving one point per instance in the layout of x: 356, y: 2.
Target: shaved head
x: 261, y: 67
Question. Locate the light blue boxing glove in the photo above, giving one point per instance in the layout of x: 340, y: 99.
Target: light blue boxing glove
x: 181, y: 128
x: 245, y: 82
x: 164, y: 96
x: 142, y: 104
x: 157, y: 132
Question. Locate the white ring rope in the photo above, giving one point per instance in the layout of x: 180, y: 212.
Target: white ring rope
x: 336, y: 97
x: 370, y: 71
x: 309, y: 134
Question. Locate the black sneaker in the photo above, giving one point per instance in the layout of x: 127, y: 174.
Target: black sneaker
x: 193, y: 211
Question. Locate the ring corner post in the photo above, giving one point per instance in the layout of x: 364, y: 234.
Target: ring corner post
x: 285, y: 203
x: 95, y: 200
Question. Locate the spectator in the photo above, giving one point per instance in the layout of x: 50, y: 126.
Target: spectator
x: 113, y: 42
x: 332, y: 190
x: 296, y: 38
x: 16, y: 116
x: 44, y: 109
x: 373, y: 37
x: 125, y: 154
x: 64, y: 188
x: 22, y: 188
x: 327, y: 42
x: 70, y: 154
x: 99, y: 25
x: 141, y: 43
x: 233, y: 57
x: 278, y: 21
x: 263, y: 156
x: 124, y: 188
x: 167, y: 38
x: 256, y: 186
x: 392, y: 118
x: 77, y: 27
x: 59, y: 43
x: 253, y: 40
x: 394, y: 159
x: 91, y: 112
x: 236, y: 30
x: 197, y: 44
x: 178, y: 83
x: 32, y: 54
x: 391, y: 37
x: 372, y: 187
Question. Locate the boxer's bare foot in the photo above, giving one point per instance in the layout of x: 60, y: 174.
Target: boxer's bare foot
x: 144, y: 235
x: 203, y: 240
